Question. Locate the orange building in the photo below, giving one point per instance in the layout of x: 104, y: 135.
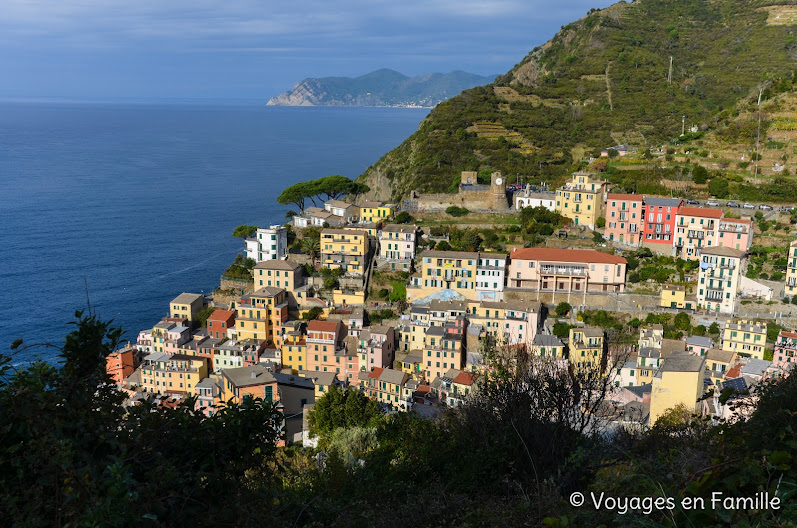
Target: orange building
x: 121, y: 363
x: 219, y: 322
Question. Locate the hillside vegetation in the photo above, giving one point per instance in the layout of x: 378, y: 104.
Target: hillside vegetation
x: 602, y: 80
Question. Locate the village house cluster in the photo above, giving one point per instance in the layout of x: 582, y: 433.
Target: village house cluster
x: 265, y: 343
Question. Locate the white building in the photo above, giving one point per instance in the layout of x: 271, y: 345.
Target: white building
x: 268, y: 244
x: 527, y: 198
x: 718, y: 280
x: 349, y: 212
x: 491, y: 276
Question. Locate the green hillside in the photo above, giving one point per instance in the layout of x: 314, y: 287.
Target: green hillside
x: 602, y: 80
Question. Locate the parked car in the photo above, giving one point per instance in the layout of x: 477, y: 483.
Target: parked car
x: 732, y: 204
x: 748, y: 205
x: 692, y: 202
x: 790, y: 208
x: 712, y: 203
x: 765, y: 207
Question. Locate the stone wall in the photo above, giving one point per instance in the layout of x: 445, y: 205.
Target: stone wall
x: 478, y: 201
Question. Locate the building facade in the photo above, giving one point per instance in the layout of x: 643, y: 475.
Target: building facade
x: 582, y: 199
x: 718, y: 279
x: 268, y: 243
x: 566, y: 271
x: 624, y: 219
x: 345, y: 249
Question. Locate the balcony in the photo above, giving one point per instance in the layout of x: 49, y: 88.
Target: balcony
x: 563, y: 271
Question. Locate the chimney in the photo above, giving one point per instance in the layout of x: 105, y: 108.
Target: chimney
x: 254, y: 374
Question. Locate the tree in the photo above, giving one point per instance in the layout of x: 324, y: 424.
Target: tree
x: 204, y: 313
x: 311, y: 247
x: 296, y: 194
x: 714, y: 329
x: 682, y: 321
x: 443, y: 246
x: 244, y: 231
x: 289, y: 214
x: 699, y: 174
x: 561, y: 330
x: 600, y: 223
x: 562, y: 309
x: 699, y: 330
x: 403, y: 218
x: 313, y: 313
x: 718, y: 187
x: 330, y: 283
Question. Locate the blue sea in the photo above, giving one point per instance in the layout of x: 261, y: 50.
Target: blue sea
x: 141, y: 199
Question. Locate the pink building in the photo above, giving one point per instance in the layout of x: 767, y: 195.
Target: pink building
x: 624, y: 218
x: 377, y: 348
x: 735, y: 233
x: 566, y: 270
x: 521, y: 322
x: 397, y: 242
x: 659, y: 226
x: 785, y: 355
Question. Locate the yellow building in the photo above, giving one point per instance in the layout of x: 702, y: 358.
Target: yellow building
x: 255, y: 380
x: 443, y: 349
x: 679, y: 380
x: 294, y: 346
x: 283, y: 274
x: 445, y: 270
x: 385, y: 385
x: 411, y: 363
x: 586, y: 347
x: 172, y: 373
x: 261, y: 315
x: 673, y: 296
x: 344, y: 248
x: 322, y: 381
x: 375, y: 212
x: 582, y: 199
x: 718, y: 362
x: 186, y: 306
x: 791, y: 270
x: 548, y: 346
x: 745, y: 338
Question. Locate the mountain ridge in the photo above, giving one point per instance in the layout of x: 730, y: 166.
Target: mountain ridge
x: 601, y: 80
x: 383, y: 87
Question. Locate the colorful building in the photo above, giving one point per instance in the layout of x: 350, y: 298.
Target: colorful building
x: 377, y: 347
x: 735, y: 233
x: 261, y: 315
x: 582, y: 199
x: 785, y: 355
x: 548, y: 346
x: 121, y: 363
x: 659, y: 226
x: 791, y: 270
x: 386, y: 385
x: 566, y: 271
x: 679, y: 381
x: 625, y: 219
x: 376, y: 212
x: 445, y: 270
x: 346, y: 249
x: 186, y: 306
x: 746, y: 338
x: 163, y: 373
x: 696, y: 229
x: 284, y: 274
x: 674, y: 296
x: 255, y: 381
x: 443, y: 348
x: 219, y: 322
x: 718, y: 279
x: 455, y: 386
x: 397, y: 243
x: 587, y: 347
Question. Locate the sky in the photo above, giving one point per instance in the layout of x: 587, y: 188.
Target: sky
x: 256, y: 49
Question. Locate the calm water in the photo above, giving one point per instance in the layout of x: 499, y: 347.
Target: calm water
x: 142, y: 199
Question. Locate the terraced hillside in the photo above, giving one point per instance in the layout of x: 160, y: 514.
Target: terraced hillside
x: 602, y: 80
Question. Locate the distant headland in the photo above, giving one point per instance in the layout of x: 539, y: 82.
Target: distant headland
x: 383, y: 87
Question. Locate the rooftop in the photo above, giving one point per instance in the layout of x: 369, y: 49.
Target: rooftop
x: 276, y: 264
x: 619, y: 196
x: 400, y: 228
x: 450, y: 254
x: 663, y: 202
x: 682, y: 363
x: 187, y: 298
x: 722, y: 251
x: 699, y: 211
x: 249, y: 376
x: 221, y: 315
x: 566, y: 255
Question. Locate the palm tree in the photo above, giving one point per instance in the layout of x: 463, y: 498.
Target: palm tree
x: 311, y: 246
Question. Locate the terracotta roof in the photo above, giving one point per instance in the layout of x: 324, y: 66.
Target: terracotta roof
x: 329, y: 231
x: 699, y: 211
x: 221, y: 315
x: 465, y: 378
x: 374, y: 374
x: 619, y: 196
x: 737, y: 220
x: 566, y: 255
x: 723, y: 251
x: 792, y: 335
x: 323, y: 326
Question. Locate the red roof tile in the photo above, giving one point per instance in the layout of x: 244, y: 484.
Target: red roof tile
x: 376, y: 372
x: 567, y: 255
x: 699, y: 211
x: 465, y: 378
x: 221, y: 315
x: 323, y: 326
x: 619, y: 196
